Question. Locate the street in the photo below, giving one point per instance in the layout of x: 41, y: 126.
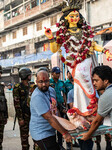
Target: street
x: 12, y: 138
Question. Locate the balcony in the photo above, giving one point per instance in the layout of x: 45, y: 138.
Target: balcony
x: 28, y: 13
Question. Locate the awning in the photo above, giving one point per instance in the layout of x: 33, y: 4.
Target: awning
x: 21, y: 60
x: 104, y: 31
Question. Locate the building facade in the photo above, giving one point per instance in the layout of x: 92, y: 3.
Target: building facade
x: 22, y: 39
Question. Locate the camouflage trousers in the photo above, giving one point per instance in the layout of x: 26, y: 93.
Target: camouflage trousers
x: 2, y: 125
x: 1, y: 133
x: 24, y: 133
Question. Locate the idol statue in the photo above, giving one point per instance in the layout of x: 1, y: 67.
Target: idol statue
x: 75, y: 35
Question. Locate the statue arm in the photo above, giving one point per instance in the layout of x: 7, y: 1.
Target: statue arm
x: 99, y: 48
x: 54, y: 47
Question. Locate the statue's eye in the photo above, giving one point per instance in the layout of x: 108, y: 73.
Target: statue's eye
x: 71, y: 16
x: 77, y: 16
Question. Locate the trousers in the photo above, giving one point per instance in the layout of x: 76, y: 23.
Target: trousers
x: 48, y: 143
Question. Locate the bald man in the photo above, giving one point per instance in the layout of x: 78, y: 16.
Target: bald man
x: 43, y: 124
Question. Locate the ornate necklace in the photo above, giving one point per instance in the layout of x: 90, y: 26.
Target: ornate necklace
x: 78, y: 35
x: 83, y: 43
x: 73, y: 28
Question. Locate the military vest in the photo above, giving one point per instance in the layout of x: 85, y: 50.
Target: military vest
x: 25, y: 96
x: 3, y: 103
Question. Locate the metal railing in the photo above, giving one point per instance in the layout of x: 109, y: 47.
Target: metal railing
x: 28, y: 6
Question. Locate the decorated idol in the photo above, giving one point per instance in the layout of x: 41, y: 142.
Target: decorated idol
x: 76, y: 36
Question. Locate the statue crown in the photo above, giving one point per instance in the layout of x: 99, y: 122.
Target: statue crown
x: 71, y: 4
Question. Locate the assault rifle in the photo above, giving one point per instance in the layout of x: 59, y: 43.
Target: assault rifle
x: 14, y: 122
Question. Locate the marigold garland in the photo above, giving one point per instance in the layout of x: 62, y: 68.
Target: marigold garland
x: 63, y: 37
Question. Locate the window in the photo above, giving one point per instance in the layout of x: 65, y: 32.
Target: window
x: 39, y: 26
x: 19, y: 51
x: 24, y: 31
x: 6, y: 55
x: 53, y: 20
x: 14, y: 35
x: 39, y: 47
x: 23, y: 52
x: 34, y: 3
x: 4, y: 38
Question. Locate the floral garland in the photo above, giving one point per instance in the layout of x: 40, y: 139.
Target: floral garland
x: 83, y: 45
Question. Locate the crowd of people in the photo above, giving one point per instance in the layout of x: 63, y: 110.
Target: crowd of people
x: 37, y: 104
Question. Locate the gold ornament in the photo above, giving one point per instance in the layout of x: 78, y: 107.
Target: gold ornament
x: 71, y: 4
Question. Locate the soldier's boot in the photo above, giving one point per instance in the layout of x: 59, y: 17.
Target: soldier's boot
x: 98, y: 146
x: 108, y: 145
x: 108, y: 138
x: 0, y: 147
x: 26, y: 148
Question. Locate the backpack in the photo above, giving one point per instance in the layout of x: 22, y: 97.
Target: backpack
x: 3, y: 103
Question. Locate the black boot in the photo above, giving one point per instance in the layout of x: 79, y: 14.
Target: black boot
x: 108, y: 145
x: 62, y: 148
x: 98, y: 147
x: 68, y: 145
x: 26, y: 148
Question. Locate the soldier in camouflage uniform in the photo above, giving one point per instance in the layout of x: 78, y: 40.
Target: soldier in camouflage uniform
x: 3, y: 111
x: 22, y: 93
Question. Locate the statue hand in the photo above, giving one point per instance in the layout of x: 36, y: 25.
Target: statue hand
x: 48, y: 33
x: 109, y: 56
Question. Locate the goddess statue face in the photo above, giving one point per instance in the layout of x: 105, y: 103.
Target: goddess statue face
x: 73, y: 17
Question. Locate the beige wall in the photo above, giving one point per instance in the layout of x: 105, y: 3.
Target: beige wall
x: 1, y: 20
x: 31, y: 34
x: 101, y: 12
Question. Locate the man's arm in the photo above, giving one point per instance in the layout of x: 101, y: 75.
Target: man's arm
x: 65, y: 100
x: 64, y: 95
x: 56, y: 125
x: 70, y: 98
x: 71, y: 105
x: 95, y: 124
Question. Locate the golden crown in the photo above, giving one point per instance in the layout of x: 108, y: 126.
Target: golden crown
x: 71, y: 4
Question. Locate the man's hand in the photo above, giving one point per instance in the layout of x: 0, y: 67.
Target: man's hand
x: 85, y: 136
x: 21, y: 122
x: 64, y: 111
x: 94, y: 126
x: 68, y: 137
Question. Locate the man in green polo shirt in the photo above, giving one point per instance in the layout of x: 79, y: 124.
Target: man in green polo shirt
x: 59, y: 87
